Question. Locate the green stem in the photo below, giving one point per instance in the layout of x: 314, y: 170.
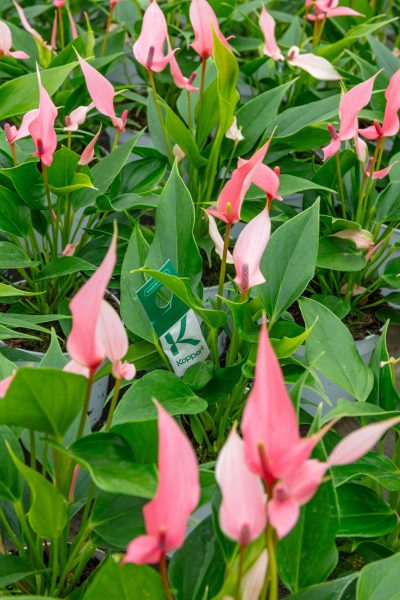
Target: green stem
x: 189, y: 107
x: 85, y: 405
x: 54, y: 564
x: 201, y: 94
x: 14, y: 155
x: 113, y: 404
x: 164, y: 577
x: 106, y: 34
x: 240, y: 572
x: 32, y: 449
x: 160, y: 116
x: 341, y: 187
x: 52, y: 224
x: 223, y: 267
x: 115, y: 144
x: 272, y: 565
x: 11, y: 534
x: 61, y: 24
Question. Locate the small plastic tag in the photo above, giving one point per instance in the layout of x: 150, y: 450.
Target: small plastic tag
x: 175, y: 324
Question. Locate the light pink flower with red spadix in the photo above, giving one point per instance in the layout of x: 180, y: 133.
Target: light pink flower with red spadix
x: 318, y: 67
x: 88, y: 153
x: 217, y: 238
x: 382, y: 173
x: 204, y: 21
x: 41, y: 128
x: 97, y: 331
x: 13, y: 134
x: 101, y: 92
x: 177, y: 495
x: 267, y: 26
x: 351, y: 103
x: 242, y: 514
x: 390, y: 125
x: 59, y: 3
x: 149, y: 47
x: 231, y: 198
x: 327, y: 9
x: 77, y: 117
x: 273, y: 446
x: 249, y: 249
x: 182, y: 82
x: 6, y: 43
x: 297, y: 488
x: 266, y: 179
x: 26, y: 25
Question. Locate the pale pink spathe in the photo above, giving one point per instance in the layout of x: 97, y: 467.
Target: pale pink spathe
x: 88, y: 153
x: 6, y: 43
x: 204, y: 21
x: 318, y: 67
x: 149, y: 47
x: 41, y: 128
x: 242, y: 514
x: 267, y: 26
x: 249, y: 249
x: 177, y: 495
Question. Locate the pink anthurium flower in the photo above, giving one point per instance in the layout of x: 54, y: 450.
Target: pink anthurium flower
x: 5, y: 384
x: 318, y: 67
x: 69, y: 250
x: 390, y: 125
x: 59, y: 3
x: 101, y: 92
x: 327, y: 9
x: 88, y: 153
x: 72, y: 24
x: 382, y: 173
x: 6, y: 43
x: 362, y: 239
x: 253, y: 581
x: 242, y: 515
x: 26, y: 25
x: 13, y: 134
x: 41, y: 127
x: 273, y: 444
x: 266, y: 179
x: 267, y: 26
x: 351, y: 103
x: 217, y: 238
x: 204, y: 21
x: 182, y: 82
x: 177, y: 495
x: 231, y: 198
x: 97, y: 331
x: 149, y: 47
x: 77, y: 117
x: 361, y: 148
x: 249, y: 249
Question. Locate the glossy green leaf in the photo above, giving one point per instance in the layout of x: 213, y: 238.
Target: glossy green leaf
x: 54, y: 357
x: 48, y: 510
x: 117, y: 519
x: 380, y: 580
x: 99, y: 453
x: 330, y: 348
x: 363, y: 513
x: 46, y: 400
x: 28, y: 183
x: 13, y: 569
x: 346, y: 408
x: 339, y: 255
x: 174, y: 395
x: 7, y: 291
x: 289, y: 184
x: 12, y: 257
x: 227, y: 77
x: 339, y: 589
x: 383, y: 393
x: 14, y: 214
x: 181, y: 135
x: 295, y: 119
x: 66, y: 265
x: 11, y: 486
x: 289, y: 262
x: 375, y: 466
x: 126, y: 582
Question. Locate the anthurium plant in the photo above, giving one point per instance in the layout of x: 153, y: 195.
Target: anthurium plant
x: 199, y: 201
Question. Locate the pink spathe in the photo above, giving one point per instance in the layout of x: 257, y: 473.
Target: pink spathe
x: 149, y: 47
x: 249, y: 249
x: 204, y: 21
x: 41, y: 128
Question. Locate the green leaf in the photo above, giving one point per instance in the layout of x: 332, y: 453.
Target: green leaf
x: 12, y: 257
x: 117, y: 519
x: 289, y: 261
x: 391, y: 275
x: 372, y: 465
x: 191, y: 578
x: 363, y: 513
x: 61, y: 172
x: 7, y: 291
x: 181, y: 288
x: 289, y: 184
x: 385, y: 59
x: 48, y: 511
x: 305, y: 558
x: 331, y: 349
x: 105, y: 171
x: 54, y: 357
x: 227, y: 78
x: 295, y: 119
x: 173, y: 238
x: 346, y: 408
x: 99, y: 453
x: 20, y: 95
x: 383, y: 393
x: 339, y: 255
x: 182, y: 136
x: 46, y: 400
x: 380, y: 580
x: 11, y: 486
x: 257, y: 114
x: 174, y: 395
x: 127, y: 582
x: 14, y: 214
x: 339, y: 589
x: 66, y: 265
x: 28, y: 182
x: 13, y: 569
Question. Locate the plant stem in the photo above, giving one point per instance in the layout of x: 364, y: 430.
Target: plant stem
x: 160, y: 116
x: 202, y: 83
x: 11, y: 534
x: 164, y: 576
x: 52, y: 224
x: 32, y: 449
x: 14, y: 155
x: 115, y: 144
x: 272, y: 566
x: 61, y: 23
x: 113, y: 404
x: 54, y: 565
x: 189, y: 110
x: 85, y: 405
x: 223, y: 266
x: 106, y: 34
x: 341, y: 187
x: 240, y: 572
